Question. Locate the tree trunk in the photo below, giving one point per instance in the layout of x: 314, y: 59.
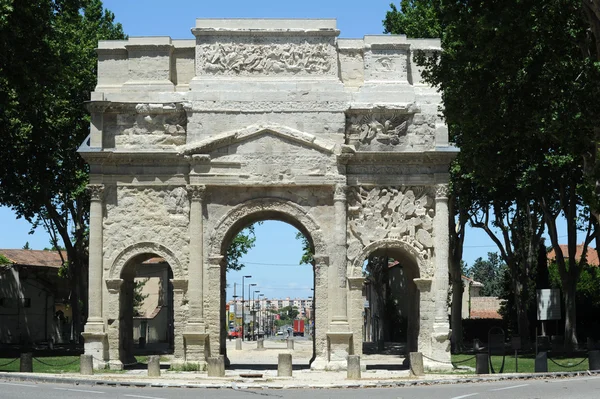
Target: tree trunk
x: 456, y: 312
x: 522, y: 320
x: 569, y: 288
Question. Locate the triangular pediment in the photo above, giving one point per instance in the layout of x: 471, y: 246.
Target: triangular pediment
x: 256, y: 132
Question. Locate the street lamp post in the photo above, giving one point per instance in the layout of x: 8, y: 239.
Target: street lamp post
x: 254, y: 316
x: 260, y: 321
x: 249, y: 295
x: 243, y: 277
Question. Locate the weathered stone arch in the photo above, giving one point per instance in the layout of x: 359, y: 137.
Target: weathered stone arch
x: 424, y: 264
x: 261, y: 209
x: 141, y: 248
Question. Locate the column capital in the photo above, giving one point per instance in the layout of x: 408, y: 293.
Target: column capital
x: 196, y: 192
x: 321, y: 260
x: 441, y: 191
x: 96, y: 191
x: 339, y: 193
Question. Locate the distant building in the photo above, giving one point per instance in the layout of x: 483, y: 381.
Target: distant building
x: 591, y: 254
x: 33, y: 298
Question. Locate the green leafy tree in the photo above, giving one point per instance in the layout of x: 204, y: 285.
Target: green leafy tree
x: 307, y: 251
x: 415, y: 18
x: 489, y: 272
x: 47, y: 71
x: 240, y: 245
x: 525, y: 129
x: 138, y: 295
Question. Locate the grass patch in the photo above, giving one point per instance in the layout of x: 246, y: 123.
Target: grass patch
x: 526, y: 363
x: 55, y: 365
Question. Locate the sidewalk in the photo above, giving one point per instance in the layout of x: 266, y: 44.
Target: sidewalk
x: 257, y: 369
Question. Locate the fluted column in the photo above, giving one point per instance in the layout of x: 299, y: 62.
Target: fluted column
x: 339, y: 257
x: 95, y: 321
x: 196, y: 265
x: 442, y: 251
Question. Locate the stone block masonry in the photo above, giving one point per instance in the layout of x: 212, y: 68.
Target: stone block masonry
x: 256, y: 119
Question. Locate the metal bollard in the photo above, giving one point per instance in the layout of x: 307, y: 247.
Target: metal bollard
x: 154, y: 366
x: 541, y: 362
x: 594, y: 359
x: 216, y: 366
x: 482, y: 363
x: 416, y: 363
x: 26, y: 365
x: 86, y: 365
x: 353, y: 367
x: 284, y: 365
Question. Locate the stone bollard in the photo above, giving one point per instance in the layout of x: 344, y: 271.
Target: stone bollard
x: 482, y: 363
x: 353, y: 367
x: 238, y: 344
x: 216, y: 366
x: 541, y: 362
x: 26, y: 365
x: 416, y: 364
x: 594, y: 359
x: 290, y: 343
x: 86, y: 365
x: 284, y: 365
x: 260, y: 344
x: 153, y: 366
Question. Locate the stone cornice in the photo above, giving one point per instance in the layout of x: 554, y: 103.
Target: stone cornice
x: 426, y: 157
x: 133, y: 158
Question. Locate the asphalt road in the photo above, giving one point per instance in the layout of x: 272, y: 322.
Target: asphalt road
x: 572, y: 388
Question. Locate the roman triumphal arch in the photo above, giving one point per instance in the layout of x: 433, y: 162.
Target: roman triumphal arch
x: 265, y: 119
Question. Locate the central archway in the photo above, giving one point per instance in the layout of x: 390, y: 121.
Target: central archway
x: 268, y: 209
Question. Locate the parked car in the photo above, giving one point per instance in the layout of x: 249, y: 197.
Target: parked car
x: 233, y: 334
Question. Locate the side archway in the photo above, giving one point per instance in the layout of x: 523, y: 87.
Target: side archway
x: 141, y: 250
x: 404, y: 335
x: 424, y: 263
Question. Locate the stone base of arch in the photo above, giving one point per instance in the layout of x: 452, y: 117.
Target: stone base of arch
x: 196, y: 349
x: 96, y: 344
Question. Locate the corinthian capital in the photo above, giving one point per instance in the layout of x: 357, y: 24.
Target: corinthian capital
x: 340, y: 192
x: 441, y: 191
x: 196, y: 192
x: 96, y: 191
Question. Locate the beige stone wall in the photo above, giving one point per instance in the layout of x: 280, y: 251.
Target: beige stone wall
x: 266, y: 119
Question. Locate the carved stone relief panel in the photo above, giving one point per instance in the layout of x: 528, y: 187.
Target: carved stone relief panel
x: 383, y: 213
x: 145, y: 126
x: 390, y: 130
x: 277, y: 56
x: 387, y: 65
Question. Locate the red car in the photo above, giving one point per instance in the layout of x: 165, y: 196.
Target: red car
x: 232, y: 334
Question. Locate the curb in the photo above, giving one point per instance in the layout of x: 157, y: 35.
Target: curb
x: 351, y: 384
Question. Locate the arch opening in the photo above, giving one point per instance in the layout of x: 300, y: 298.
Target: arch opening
x: 146, y: 308
x: 278, y: 299
x: 391, y: 319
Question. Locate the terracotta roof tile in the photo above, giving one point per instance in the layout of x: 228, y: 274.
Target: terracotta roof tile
x: 591, y: 256
x: 485, y: 314
x: 31, y: 257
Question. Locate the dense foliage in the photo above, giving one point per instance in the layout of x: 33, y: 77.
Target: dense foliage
x: 47, y: 71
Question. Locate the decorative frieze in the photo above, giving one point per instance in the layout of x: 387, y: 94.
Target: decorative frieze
x: 289, y: 58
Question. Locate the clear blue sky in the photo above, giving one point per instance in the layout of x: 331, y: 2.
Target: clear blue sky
x: 275, y: 241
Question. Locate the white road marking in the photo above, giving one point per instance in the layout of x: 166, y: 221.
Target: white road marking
x: 513, y: 387
x: 573, y: 379
x: 143, y: 397
x: 76, y: 390
x: 465, y: 396
x: 19, y: 385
